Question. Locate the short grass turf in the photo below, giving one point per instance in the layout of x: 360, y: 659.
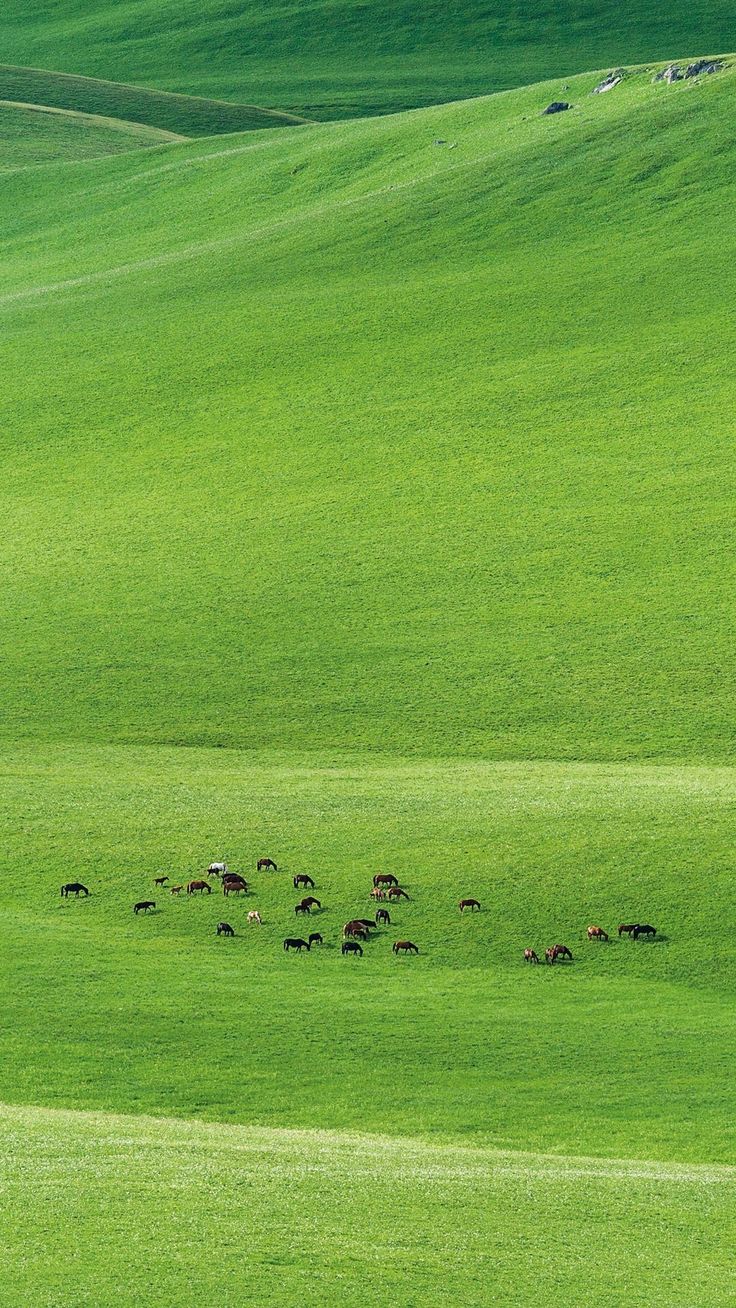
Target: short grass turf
x: 184, y: 115
x: 32, y: 134
x: 181, y: 1214
x: 342, y: 438
x: 339, y: 57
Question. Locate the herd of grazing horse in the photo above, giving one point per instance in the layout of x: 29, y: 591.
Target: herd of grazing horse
x: 357, y: 931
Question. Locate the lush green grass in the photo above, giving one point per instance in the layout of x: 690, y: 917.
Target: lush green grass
x: 336, y: 57
x: 343, y: 439
x: 403, y: 468
x: 184, y: 115
x: 234, y: 1216
x: 33, y: 134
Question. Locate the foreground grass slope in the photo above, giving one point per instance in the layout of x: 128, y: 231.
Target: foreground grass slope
x: 345, y: 438
x: 228, y: 1215
x: 337, y: 57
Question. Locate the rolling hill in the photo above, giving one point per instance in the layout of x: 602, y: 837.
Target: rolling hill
x: 367, y: 503
x: 332, y: 58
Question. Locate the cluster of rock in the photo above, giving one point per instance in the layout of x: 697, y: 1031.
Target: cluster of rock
x: 609, y: 82
x: 674, y: 73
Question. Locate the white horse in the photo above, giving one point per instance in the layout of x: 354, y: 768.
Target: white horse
x: 217, y: 869
x: 254, y: 916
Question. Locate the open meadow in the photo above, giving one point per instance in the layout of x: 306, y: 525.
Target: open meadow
x: 367, y: 505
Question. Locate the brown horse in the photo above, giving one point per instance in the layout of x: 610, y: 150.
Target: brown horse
x: 264, y: 864
x: 311, y: 902
x: 224, y: 929
x: 355, y: 925
x: 626, y: 928
x: 530, y: 956
x: 143, y: 905
x: 597, y: 933
x: 644, y: 930
x: 233, y: 884
x: 377, y: 893
x: 557, y: 951
x: 201, y: 886
x: 301, y: 908
x: 289, y: 943
x: 472, y: 904
x: 397, y: 893
x: 366, y: 922
x: 160, y: 881
x: 73, y: 888
x: 303, y: 880
x: 383, y: 917
x: 176, y: 890
x: 405, y: 947
x: 385, y: 879
x: 352, y: 947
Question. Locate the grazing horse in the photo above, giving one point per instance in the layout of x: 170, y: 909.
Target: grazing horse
x: 160, y: 881
x: 366, y: 922
x: 385, y: 879
x: 224, y: 929
x: 290, y: 943
x: 472, y: 904
x: 352, y: 947
x: 315, y: 939
x: 217, y: 870
x: 201, y: 886
x: 143, y: 905
x: 644, y: 930
x: 311, y: 902
x: 357, y: 924
x: 405, y: 947
x: 383, y: 917
x: 265, y: 864
x: 530, y: 956
x: 377, y: 893
x: 254, y: 916
x: 234, y: 884
x: 176, y: 890
x: 626, y: 928
x: 303, y: 880
x: 397, y: 893
x: 73, y: 888
x: 560, y: 951
x: 597, y: 933
x: 301, y: 908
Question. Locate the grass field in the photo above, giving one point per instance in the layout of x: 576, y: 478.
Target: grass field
x: 332, y: 58
x: 367, y: 498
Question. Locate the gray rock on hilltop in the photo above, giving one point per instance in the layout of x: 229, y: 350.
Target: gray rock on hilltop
x: 608, y: 83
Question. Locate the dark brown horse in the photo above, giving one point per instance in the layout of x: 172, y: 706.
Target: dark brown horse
x: 233, y: 884
x: 264, y: 864
x: 627, y: 928
x: 224, y: 929
x: 643, y: 930
x: 354, y: 928
x: 397, y: 893
x: 315, y: 939
x: 405, y: 947
x: 352, y: 947
x: 597, y: 933
x: 176, y: 890
x: 143, y: 905
x: 73, y: 888
x: 289, y: 943
x: 301, y: 908
x: 201, y: 886
x: 383, y: 917
x: 557, y: 951
x: 311, y: 902
x: 366, y: 922
x: 530, y: 956
x: 160, y: 881
x: 385, y: 879
x: 472, y: 904
x: 303, y: 880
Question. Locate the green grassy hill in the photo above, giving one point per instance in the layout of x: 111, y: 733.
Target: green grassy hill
x: 367, y: 503
x: 32, y: 134
x: 330, y: 58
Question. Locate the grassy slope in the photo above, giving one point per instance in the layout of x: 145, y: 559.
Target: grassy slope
x: 227, y: 1216
x: 32, y: 134
x: 353, y: 440
x: 182, y: 114
x: 332, y: 57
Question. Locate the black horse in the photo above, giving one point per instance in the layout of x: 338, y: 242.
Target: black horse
x: 289, y: 943
x: 643, y: 929
x: 143, y: 905
x: 73, y: 888
x: 224, y: 929
x: 315, y: 939
x: 383, y: 917
x: 352, y: 947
